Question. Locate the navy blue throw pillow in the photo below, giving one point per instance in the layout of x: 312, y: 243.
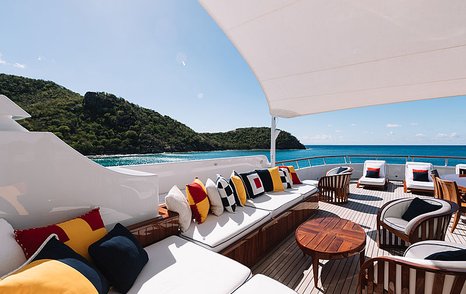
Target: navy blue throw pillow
x: 119, y: 257
x: 454, y: 255
x: 372, y: 172
x: 266, y: 179
x: 420, y: 175
x: 418, y: 207
x: 341, y: 169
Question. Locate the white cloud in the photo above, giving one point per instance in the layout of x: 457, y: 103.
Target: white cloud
x: 329, y: 125
x: 393, y: 125
x: 391, y: 133
x: 319, y: 137
x: 200, y: 95
x: 182, y: 59
x: 353, y: 124
x: 16, y: 64
x: 19, y: 65
x: 414, y: 124
x: 40, y: 58
x: 337, y: 131
x: 420, y: 135
x: 445, y: 135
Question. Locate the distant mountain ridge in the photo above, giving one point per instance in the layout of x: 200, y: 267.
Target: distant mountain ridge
x: 101, y: 123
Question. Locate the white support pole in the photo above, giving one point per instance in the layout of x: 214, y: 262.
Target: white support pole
x: 273, y: 139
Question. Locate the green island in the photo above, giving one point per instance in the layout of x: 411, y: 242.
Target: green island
x: 101, y: 123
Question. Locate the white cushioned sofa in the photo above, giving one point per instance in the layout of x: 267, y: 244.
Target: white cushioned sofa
x: 219, y: 232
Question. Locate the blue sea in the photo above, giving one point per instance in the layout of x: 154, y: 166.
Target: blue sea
x: 310, y: 151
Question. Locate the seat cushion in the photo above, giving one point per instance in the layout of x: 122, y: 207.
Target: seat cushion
x: 396, y: 223
x: 423, y: 249
x: 372, y: 181
x: 305, y: 190
x: 276, y: 202
x: 263, y: 284
x: 218, y: 232
x: 311, y: 182
x: 410, y: 184
x: 179, y: 266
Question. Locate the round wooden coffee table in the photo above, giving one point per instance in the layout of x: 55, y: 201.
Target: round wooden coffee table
x: 330, y: 238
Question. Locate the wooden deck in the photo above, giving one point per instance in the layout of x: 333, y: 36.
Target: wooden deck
x: 288, y: 265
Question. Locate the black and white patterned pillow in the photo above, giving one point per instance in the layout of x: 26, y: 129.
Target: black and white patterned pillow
x: 285, y: 178
x: 253, y: 184
x: 226, y: 194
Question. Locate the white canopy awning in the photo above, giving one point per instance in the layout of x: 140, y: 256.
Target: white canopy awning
x: 314, y: 56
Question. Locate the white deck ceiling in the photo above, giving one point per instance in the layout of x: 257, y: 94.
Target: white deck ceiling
x: 314, y: 56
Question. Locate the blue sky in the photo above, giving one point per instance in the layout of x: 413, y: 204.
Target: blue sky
x: 171, y: 57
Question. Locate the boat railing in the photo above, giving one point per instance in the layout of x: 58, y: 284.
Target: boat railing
x: 360, y: 158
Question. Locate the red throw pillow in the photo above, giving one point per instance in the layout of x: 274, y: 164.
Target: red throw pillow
x: 77, y: 233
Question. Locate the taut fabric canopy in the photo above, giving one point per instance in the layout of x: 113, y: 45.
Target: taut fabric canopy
x: 314, y: 56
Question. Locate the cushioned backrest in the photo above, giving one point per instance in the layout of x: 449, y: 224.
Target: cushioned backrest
x: 460, y: 167
x: 417, y: 165
x: 375, y: 164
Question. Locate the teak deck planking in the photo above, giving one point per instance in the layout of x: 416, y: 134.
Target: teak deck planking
x: 287, y: 263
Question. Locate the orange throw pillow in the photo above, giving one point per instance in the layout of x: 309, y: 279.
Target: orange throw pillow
x: 198, y: 200
x: 294, y: 175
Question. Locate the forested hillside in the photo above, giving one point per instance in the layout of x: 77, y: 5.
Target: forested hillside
x: 101, y: 123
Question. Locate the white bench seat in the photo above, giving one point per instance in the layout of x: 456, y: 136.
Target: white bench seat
x: 276, y: 203
x: 263, y: 284
x: 218, y: 232
x: 178, y: 266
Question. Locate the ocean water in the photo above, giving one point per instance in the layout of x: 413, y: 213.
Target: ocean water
x: 311, y: 151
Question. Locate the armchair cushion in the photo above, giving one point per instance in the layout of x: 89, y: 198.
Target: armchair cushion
x: 421, y: 250
x: 418, y: 207
x: 454, y: 255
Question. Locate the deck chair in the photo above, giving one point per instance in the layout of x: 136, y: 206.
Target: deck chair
x: 334, y: 187
x: 413, y: 185
x: 451, y: 193
x: 368, y: 180
x: 394, y: 231
x: 460, y: 169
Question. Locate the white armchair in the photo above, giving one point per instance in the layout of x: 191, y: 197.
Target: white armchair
x: 379, y: 182
x: 418, y: 186
x: 412, y: 272
x: 460, y: 169
x: 394, y: 231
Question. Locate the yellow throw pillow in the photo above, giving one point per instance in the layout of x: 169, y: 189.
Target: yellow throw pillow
x: 198, y: 200
x: 277, y: 182
x: 238, y: 189
x: 55, y: 268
